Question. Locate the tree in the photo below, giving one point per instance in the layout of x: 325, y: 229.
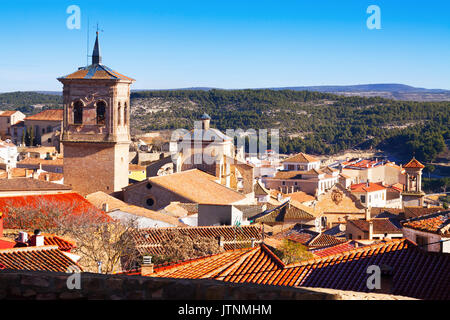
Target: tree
x: 182, y: 247
x: 291, y: 251
x: 97, y: 237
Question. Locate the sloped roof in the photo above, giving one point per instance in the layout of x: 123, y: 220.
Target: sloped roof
x: 414, y: 163
x: 149, y: 240
x: 73, y: 201
x: 8, y: 113
x: 43, y: 258
x: 287, y: 211
x: 196, y: 186
x: 96, y: 72
x: 438, y: 223
x: 380, y: 225
x: 48, y: 115
x: 38, y: 161
x: 260, y: 190
x: 300, y: 196
x: 333, y: 249
x: 99, y: 198
x: 415, y: 273
x: 30, y: 184
x: 366, y: 187
x: 412, y: 212
x: 301, y: 158
x: 309, y: 238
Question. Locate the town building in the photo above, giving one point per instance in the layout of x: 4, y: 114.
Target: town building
x: 193, y: 186
x: 413, y: 194
x: 370, y: 194
x: 301, y: 162
x: 45, y: 128
x: 8, y: 119
x: 96, y: 127
x: 431, y: 232
x: 373, y: 170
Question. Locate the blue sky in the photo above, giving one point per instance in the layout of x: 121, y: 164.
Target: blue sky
x: 228, y: 43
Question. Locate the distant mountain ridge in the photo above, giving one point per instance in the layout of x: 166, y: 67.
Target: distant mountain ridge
x: 394, y: 91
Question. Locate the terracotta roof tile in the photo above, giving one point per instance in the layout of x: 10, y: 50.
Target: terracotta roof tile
x: 363, y: 187
x: 414, y: 164
x: 48, y: 115
x: 96, y: 71
x: 30, y: 184
x: 301, y: 158
x: 438, y: 223
x: 44, y: 258
x: 149, y: 240
x: 196, y: 186
x: 380, y: 225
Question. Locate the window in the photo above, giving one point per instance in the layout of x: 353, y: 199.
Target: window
x: 78, y: 112
x: 422, y: 241
x: 149, y: 185
x: 363, y: 199
x: 125, y: 113
x: 101, y: 110
x: 49, y: 129
x: 150, y: 202
x: 119, y: 115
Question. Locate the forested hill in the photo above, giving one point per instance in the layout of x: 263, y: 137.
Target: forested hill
x: 313, y: 122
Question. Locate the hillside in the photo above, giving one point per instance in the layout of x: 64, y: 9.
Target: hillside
x: 313, y: 122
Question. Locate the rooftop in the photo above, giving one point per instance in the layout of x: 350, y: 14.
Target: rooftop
x: 380, y: 225
x: 438, y: 223
x: 202, y: 187
x: 367, y: 187
x: 30, y: 184
x: 301, y: 158
x: 43, y: 258
x: 48, y: 115
x: 414, y: 164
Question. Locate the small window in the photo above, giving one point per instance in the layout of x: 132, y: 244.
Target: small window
x: 125, y: 113
x: 149, y: 186
x: 101, y: 110
x: 363, y: 199
x: 150, y: 202
x: 78, y: 112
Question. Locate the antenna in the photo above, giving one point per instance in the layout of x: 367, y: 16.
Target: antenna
x: 87, y: 44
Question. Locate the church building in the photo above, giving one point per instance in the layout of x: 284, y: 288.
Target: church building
x: 96, y: 127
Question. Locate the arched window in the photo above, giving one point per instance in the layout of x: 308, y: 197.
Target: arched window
x: 101, y: 110
x: 119, y: 115
x: 125, y: 113
x: 78, y: 112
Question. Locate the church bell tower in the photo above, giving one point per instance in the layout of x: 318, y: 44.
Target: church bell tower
x: 96, y: 127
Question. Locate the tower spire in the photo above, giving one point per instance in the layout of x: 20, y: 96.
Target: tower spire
x: 96, y: 57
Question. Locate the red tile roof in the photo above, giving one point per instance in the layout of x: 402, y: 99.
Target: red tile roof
x: 301, y: 158
x: 380, y: 225
x: 148, y: 241
x: 44, y: 258
x: 438, y: 223
x: 72, y: 201
x: 54, y: 240
x: 415, y: 273
x: 363, y: 187
x: 413, y: 164
x: 334, y: 249
x: 309, y: 238
x: 48, y: 115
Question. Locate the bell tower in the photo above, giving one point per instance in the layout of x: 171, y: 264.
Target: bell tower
x: 413, y: 195
x: 96, y: 127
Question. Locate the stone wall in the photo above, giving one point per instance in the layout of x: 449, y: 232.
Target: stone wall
x: 36, y: 285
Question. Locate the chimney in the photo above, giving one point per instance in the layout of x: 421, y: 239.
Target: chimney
x: 37, y: 240
x: 370, y: 230
x: 28, y: 173
x: 22, y: 238
x: 146, y: 266
x: 367, y: 214
x: 47, y: 177
x: 368, y: 183
x: 35, y: 174
x: 8, y: 172
x: 105, y: 207
x: 220, y: 241
x: 253, y: 242
x: 1, y: 224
